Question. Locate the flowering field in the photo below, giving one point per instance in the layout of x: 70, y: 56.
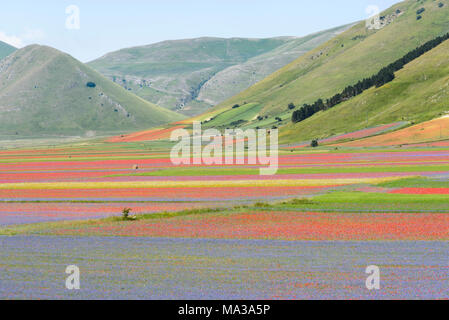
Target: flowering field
x: 142, y: 268
x: 356, y: 134
x: 282, y: 225
x: 34, y: 212
x: 224, y: 226
x: 430, y: 131
x: 134, y: 172
x: 149, y: 135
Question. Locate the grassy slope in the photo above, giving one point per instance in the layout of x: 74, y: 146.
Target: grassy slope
x: 341, y: 202
x: 419, y: 93
x: 429, y: 131
x: 212, y: 69
x: 5, y: 50
x: 344, y: 60
x: 44, y: 92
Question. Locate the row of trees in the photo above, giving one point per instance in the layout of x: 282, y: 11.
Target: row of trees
x: 384, y: 76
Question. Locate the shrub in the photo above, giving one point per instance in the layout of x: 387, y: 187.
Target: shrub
x: 125, y: 213
x: 299, y: 202
x: 291, y: 106
x: 91, y: 84
x: 236, y: 106
x: 238, y: 122
x: 420, y: 11
x: 314, y: 144
x: 261, y: 205
x: 126, y: 216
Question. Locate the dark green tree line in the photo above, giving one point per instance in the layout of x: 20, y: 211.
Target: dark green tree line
x: 385, y: 75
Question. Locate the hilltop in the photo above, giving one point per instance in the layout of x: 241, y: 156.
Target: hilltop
x: 192, y: 75
x: 44, y: 92
x: 5, y: 50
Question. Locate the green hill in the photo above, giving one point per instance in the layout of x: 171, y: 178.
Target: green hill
x: 192, y: 75
x: 5, y: 50
x: 420, y: 92
x: 46, y: 92
x: 344, y: 60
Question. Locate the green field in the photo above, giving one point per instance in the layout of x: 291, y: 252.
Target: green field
x: 419, y: 93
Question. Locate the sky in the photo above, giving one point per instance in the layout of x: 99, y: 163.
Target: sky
x: 88, y: 29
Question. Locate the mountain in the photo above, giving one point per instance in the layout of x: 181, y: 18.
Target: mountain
x: 326, y: 70
x: 192, y: 75
x: 418, y: 93
x: 46, y: 92
x: 235, y: 79
x: 5, y: 50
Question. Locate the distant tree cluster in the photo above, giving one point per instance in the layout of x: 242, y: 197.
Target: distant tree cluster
x: 420, y: 11
x: 385, y: 75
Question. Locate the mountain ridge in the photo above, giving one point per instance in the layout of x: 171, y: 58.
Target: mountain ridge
x: 44, y: 91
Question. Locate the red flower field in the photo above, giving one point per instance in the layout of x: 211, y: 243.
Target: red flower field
x: 422, y: 191
x: 287, y: 226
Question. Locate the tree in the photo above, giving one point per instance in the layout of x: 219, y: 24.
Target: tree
x: 91, y: 84
x: 314, y: 143
x: 291, y: 106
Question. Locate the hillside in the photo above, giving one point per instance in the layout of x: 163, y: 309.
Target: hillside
x: 351, y: 56
x: 191, y: 75
x: 46, y: 92
x: 419, y: 93
x: 5, y: 50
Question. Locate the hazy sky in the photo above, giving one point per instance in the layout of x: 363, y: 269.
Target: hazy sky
x: 108, y: 25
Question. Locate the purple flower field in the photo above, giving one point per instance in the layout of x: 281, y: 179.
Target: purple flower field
x: 140, y: 268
